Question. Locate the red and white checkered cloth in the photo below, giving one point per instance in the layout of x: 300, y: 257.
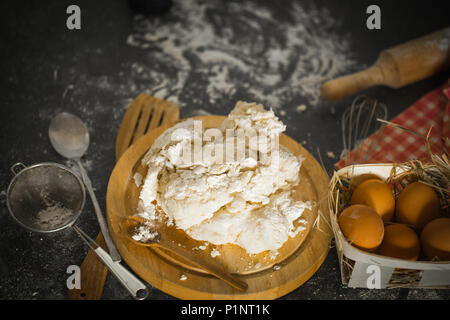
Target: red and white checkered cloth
x: 390, y: 144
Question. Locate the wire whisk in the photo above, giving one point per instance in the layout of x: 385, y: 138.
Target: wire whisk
x: 359, y: 121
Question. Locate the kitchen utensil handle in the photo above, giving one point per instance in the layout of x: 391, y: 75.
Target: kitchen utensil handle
x: 344, y: 86
x: 215, y: 269
x: 137, y: 289
x: 17, y: 165
x: 93, y: 275
x: 100, y: 218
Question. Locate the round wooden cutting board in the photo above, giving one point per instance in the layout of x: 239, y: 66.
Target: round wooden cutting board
x: 267, y: 277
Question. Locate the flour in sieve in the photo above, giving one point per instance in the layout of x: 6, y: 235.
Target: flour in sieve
x: 53, y: 216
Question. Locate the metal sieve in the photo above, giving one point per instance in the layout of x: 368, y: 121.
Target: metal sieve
x: 48, y: 197
x: 45, y: 197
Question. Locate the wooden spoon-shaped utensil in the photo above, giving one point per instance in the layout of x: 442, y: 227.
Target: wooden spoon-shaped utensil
x: 131, y: 226
x: 143, y: 114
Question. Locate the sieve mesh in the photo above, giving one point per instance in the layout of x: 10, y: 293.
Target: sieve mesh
x: 46, y: 197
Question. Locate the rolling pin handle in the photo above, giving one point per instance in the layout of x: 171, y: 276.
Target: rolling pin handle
x: 339, y: 88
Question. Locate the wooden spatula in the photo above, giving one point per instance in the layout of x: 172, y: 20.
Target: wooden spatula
x: 143, y: 114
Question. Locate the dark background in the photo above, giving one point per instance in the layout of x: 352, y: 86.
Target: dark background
x: 46, y: 69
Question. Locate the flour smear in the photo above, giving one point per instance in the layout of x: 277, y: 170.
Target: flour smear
x: 227, y: 48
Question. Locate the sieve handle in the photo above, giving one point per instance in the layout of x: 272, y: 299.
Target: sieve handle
x: 98, y: 212
x: 15, y: 166
x: 138, y: 290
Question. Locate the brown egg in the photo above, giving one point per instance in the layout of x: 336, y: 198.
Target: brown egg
x: 377, y: 195
x: 417, y: 205
x: 362, y: 227
x: 400, y: 241
x: 357, y: 180
x: 435, y: 238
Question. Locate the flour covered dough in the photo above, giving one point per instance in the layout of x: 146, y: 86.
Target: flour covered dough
x: 226, y: 189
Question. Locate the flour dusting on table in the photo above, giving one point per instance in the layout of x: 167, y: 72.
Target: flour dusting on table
x: 224, y: 48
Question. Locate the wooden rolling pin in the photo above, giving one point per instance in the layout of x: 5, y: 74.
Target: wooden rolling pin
x: 396, y: 67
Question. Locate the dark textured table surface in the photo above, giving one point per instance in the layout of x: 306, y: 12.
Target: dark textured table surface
x: 203, y: 55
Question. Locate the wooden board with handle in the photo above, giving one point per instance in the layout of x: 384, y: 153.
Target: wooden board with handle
x: 165, y: 275
x: 143, y: 114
